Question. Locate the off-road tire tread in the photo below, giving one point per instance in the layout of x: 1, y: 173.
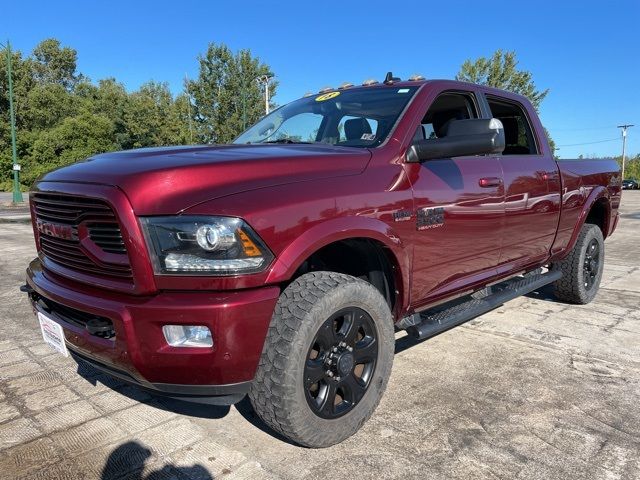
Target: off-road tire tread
x: 569, y: 288
x: 271, y: 391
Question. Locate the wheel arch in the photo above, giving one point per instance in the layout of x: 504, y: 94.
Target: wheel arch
x: 361, y: 235
x: 596, y: 210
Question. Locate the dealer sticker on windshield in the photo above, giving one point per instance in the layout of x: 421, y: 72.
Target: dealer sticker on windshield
x: 327, y: 96
x: 52, y: 334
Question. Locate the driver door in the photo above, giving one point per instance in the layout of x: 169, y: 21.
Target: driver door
x: 459, y: 203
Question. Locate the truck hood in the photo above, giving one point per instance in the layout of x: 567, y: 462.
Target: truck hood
x: 166, y: 181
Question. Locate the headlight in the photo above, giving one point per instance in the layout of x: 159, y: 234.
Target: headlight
x: 204, y: 245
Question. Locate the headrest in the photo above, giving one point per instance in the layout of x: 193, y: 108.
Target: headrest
x: 355, y: 128
x: 510, y: 125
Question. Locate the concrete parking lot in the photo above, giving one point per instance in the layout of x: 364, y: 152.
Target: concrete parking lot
x: 534, y: 389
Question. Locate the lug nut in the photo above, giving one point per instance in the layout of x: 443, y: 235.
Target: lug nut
x: 350, y: 349
x: 330, y: 373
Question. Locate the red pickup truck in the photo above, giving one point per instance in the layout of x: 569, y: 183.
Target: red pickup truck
x: 281, y: 266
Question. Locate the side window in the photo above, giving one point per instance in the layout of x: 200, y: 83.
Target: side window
x: 447, y: 107
x: 356, y: 128
x: 517, y: 131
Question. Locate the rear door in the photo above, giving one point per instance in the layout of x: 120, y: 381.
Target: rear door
x: 459, y: 208
x: 532, y: 188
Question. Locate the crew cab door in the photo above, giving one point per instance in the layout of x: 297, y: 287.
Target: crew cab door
x: 459, y: 210
x: 532, y: 188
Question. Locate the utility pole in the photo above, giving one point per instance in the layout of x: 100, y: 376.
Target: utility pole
x: 265, y: 80
x: 17, y: 194
x: 186, y: 87
x: 624, y: 143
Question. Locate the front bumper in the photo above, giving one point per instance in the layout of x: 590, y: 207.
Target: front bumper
x: 139, y: 354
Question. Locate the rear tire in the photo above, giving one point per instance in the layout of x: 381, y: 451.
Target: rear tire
x: 323, y: 322
x: 582, y: 268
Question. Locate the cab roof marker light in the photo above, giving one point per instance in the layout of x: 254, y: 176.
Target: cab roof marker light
x: 345, y: 85
x: 389, y: 79
x: 416, y: 77
x: 307, y: 94
x: 369, y: 82
x: 326, y: 89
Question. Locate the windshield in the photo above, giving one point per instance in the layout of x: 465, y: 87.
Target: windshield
x: 360, y: 117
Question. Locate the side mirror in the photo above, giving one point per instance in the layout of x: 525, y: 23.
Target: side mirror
x: 475, y: 136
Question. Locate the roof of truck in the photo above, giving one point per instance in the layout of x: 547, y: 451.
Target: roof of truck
x: 438, y: 83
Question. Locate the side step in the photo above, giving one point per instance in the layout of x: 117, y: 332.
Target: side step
x: 446, y: 317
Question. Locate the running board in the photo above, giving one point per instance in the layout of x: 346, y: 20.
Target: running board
x: 443, y: 318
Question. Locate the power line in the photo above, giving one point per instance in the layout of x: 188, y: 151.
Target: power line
x: 588, y: 143
x: 581, y: 129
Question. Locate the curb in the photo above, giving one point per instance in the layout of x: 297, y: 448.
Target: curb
x: 16, y: 219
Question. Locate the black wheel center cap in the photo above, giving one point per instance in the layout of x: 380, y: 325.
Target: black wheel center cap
x: 593, y: 265
x: 345, y: 363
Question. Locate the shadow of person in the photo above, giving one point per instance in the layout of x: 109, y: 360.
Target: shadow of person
x: 129, y: 457
x: 195, y: 472
x: 129, y: 460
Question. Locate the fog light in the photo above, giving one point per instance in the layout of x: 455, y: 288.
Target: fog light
x: 187, y: 336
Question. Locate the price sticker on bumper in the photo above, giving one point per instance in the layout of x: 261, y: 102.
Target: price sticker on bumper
x: 52, y: 334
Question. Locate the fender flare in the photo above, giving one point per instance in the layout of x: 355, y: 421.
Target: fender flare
x: 343, y: 228
x: 596, y: 195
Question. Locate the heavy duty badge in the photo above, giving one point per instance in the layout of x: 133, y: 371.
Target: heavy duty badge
x: 430, y: 218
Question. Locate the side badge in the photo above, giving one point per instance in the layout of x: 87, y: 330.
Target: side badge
x: 402, y: 215
x: 430, y: 218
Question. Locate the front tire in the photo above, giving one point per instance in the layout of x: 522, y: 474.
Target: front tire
x: 582, y: 268
x: 326, y: 359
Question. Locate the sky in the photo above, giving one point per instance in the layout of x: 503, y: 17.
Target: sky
x: 587, y: 53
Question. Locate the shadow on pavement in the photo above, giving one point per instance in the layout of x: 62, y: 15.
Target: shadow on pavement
x: 180, y: 407
x: 245, y: 409
x: 129, y: 460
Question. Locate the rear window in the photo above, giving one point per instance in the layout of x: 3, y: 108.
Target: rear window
x: 517, y: 130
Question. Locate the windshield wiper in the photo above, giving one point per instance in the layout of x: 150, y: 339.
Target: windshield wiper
x: 286, y: 140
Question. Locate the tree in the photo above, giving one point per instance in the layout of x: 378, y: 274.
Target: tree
x: 53, y: 64
x: 500, y: 71
x: 151, y: 117
x: 62, y: 117
x: 227, y: 98
x: 74, y: 139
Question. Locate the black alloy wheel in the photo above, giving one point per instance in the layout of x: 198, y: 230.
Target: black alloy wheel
x: 591, y: 264
x: 340, y: 362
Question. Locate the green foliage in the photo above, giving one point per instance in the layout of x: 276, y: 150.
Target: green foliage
x: 631, y: 166
x: 55, y: 65
x: 227, y: 96
x: 501, y: 71
x: 74, y: 139
x: 62, y: 117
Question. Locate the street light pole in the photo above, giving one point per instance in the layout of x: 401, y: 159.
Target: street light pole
x: 624, y: 143
x: 17, y: 194
x: 264, y: 80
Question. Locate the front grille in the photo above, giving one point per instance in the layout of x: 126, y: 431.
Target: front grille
x: 66, y: 213
x: 108, y: 237
x: 68, y: 209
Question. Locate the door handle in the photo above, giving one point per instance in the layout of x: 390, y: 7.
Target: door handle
x: 488, y: 182
x: 547, y: 175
